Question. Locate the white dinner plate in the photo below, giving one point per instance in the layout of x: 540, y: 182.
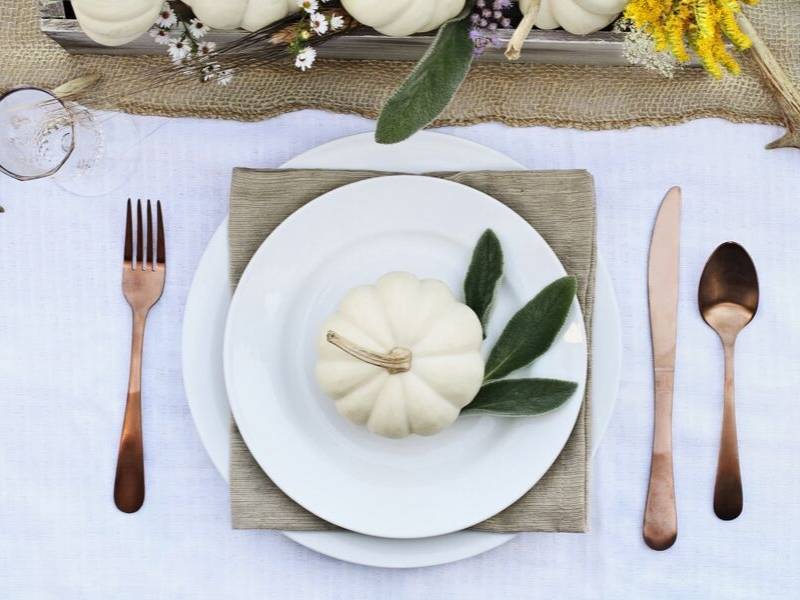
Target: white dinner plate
x: 207, y: 306
x: 400, y: 488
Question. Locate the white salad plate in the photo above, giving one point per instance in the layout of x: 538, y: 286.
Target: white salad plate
x: 351, y: 236
x: 204, y: 321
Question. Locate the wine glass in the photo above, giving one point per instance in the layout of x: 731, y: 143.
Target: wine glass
x: 87, y: 153
x: 37, y: 133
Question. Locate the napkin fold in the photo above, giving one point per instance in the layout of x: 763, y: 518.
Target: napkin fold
x: 558, y: 204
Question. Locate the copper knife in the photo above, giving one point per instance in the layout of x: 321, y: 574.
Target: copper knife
x: 660, y: 516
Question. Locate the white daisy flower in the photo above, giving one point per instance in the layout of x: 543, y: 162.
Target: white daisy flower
x: 205, y: 48
x: 166, y: 17
x: 337, y: 22
x: 178, y: 49
x: 225, y: 77
x: 310, y: 6
x: 198, y: 29
x: 160, y: 36
x: 209, y: 71
x: 305, y: 58
x: 319, y: 23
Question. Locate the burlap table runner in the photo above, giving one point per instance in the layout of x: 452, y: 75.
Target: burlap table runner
x: 575, y: 96
x: 559, y: 204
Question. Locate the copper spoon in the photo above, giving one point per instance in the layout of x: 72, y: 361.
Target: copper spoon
x: 728, y: 300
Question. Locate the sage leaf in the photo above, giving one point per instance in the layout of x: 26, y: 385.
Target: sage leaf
x: 483, y: 276
x: 431, y: 85
x: 520, y: 397
x: 531, y: 331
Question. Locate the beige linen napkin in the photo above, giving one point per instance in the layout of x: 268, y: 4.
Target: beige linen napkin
x: 558, y: 204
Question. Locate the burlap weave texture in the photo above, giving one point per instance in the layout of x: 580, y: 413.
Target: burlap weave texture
x: 585, y: 97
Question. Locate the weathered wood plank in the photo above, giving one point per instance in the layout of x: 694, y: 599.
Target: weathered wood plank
x: 554, y: 47
x: 51, y: 9
x: 543, y: 47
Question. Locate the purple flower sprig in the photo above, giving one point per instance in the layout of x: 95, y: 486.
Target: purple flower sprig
x: 487, y: 17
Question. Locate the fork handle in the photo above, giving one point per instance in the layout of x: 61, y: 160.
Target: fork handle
x: 129, y: 481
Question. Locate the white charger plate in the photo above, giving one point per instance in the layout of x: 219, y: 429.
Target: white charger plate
x: 207, y: 306
x: 400, y: 488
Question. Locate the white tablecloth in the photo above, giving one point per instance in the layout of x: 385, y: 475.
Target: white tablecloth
x: 64, y: 335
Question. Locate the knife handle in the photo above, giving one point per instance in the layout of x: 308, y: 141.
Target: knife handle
x: 660, y: 515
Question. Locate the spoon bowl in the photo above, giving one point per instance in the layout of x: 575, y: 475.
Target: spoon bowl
x: 728, y: 301
x: 728, y: 294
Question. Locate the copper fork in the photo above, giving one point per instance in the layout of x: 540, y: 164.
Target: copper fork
x: 142, y: 285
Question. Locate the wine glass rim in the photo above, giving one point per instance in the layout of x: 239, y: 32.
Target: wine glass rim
x: 20, y: 88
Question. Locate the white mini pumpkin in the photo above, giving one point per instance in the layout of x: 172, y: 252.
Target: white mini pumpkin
x: 576, y: 16
x: 247, y: 14
x: 403, y: 17
x: 115, y: 22
x: 401, y: 356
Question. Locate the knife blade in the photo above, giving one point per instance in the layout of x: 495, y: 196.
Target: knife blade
x: 660, y: 528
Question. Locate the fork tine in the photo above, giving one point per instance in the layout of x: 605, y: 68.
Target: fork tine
x: 139, y: 236
x: 161, y: 250
x: 149, y: 264
x: 128, y: 254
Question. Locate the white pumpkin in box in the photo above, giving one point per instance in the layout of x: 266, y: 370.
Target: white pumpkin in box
x: 576, y: 16
x: 403, y: 17
x: 251, y: 15
x: 115, y: 22
x: 401, y: 356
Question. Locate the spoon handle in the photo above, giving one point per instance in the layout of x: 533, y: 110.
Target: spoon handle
x: 660, y: 514
x: 728, y: 489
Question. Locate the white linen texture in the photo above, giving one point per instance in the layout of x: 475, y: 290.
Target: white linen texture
x: 64, y: 351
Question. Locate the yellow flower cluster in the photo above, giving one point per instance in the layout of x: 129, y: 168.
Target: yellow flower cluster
x: 702, y: 25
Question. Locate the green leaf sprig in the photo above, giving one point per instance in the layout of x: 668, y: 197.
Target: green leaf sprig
x: 431, y: 85
x: 484, y: 275
x: 521, y: 397
x: 527, y: 336
x: 531, y: 331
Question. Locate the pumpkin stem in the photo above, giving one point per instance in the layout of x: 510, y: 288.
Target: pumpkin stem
x: 514, y: 47
x: 398, y: 360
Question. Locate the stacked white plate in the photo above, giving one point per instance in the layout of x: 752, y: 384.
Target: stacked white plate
x: 401, y: 500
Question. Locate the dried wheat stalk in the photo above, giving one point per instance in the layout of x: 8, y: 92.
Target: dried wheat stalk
x: 779, y: 82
